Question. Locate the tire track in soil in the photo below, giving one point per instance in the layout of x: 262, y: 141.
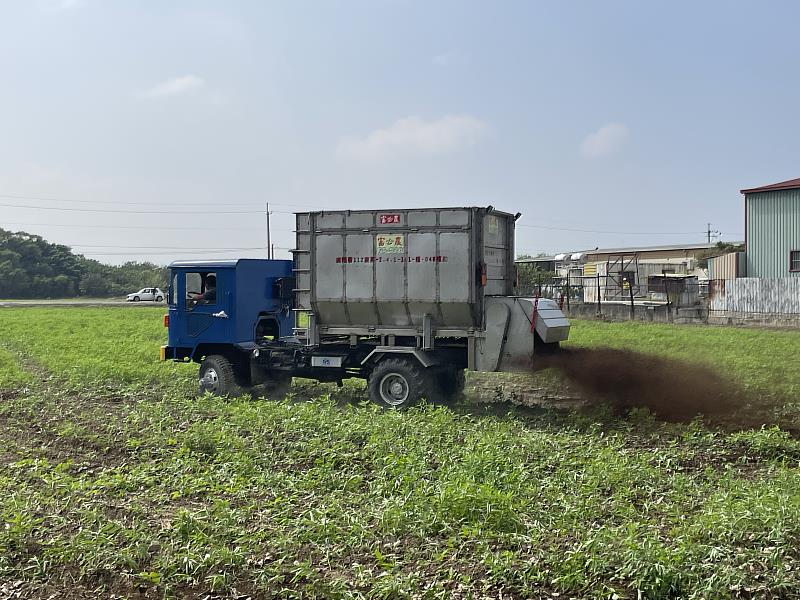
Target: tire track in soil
x: 43, y: 433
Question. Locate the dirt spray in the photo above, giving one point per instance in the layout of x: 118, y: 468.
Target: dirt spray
x: 673, y: 390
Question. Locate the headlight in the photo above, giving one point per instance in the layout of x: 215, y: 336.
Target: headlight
x: 256, y: 353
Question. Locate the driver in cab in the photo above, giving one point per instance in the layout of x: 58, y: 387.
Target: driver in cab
x: 209, y: 296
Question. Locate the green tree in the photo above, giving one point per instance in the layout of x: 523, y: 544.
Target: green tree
x: 95, y: 285
x: 531, y: 275
x: 31, y: 267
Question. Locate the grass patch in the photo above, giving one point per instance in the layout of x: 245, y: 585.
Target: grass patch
x: 12, y: 375
x: 94, y: 346
x: 159, y: 492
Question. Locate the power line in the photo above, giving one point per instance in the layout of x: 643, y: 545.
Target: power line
x: 148, y: 227
x: 138, y: 212
x: 261, y: 211
x: 167, y: 253
x: 157, y: 227
x: 158, y: 247
x: 612, y: 232
x: 51, y: 199
x: 137, y: 203
x: 218, y: 228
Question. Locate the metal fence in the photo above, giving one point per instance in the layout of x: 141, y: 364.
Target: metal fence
x: 677, y: 291
x: 746, y: 295
x: 752, y: 295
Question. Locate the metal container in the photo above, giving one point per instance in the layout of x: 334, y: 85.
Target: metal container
x: 395, y: 269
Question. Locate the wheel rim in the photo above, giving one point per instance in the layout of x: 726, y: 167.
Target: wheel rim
x: 394, y: 389
x: 210, y: 380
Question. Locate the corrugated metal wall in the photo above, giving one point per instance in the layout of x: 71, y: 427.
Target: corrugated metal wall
x: 653, y: 268
x: 725, y: 266
x: 755, y: 295
x: 773, y: 230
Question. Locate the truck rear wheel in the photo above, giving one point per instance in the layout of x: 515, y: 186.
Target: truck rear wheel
x: 396, y: 383
x: 217, y: 376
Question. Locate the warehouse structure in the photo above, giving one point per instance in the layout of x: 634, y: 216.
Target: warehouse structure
x: 676, y: 257
x: 645, y: 273
x: 772, y: 230
x: 762, y: 284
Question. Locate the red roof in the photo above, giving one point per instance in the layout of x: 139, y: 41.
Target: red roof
x: 783, y: 185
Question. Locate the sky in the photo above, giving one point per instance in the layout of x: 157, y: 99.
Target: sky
x: 160, y: 130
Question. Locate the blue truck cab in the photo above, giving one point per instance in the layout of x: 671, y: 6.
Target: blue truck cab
x: 222, y: 308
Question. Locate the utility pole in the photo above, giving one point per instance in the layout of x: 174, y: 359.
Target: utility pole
x: 269, y: 244
x: 710, y: 232
x: 599, y: 310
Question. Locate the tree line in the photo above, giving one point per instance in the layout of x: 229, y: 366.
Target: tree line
x: 31, y: 267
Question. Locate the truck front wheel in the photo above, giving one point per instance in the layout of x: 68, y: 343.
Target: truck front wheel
x: 396, y: 383
x: 217, y: 376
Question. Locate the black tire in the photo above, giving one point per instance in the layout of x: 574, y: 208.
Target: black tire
x: 159, y: 298
x: 397, y: 383
x: 136, y: 298
x: 217, y: 376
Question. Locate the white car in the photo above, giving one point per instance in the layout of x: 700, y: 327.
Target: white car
x: 152, y: 294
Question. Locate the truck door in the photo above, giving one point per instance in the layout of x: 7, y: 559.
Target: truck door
x: 208, y: 307
x: 175, y: 306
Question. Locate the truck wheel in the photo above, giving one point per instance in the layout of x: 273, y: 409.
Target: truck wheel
x: 396, y: 383
x: 217, y: 376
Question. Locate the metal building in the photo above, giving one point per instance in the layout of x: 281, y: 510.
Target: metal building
x: 772, y: 230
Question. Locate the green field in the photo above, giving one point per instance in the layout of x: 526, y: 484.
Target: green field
x: 116, y: 478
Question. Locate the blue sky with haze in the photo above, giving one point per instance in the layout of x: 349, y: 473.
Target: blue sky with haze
x: 639, y: 121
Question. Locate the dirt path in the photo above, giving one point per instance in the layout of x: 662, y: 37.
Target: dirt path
x: 81, y: 302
